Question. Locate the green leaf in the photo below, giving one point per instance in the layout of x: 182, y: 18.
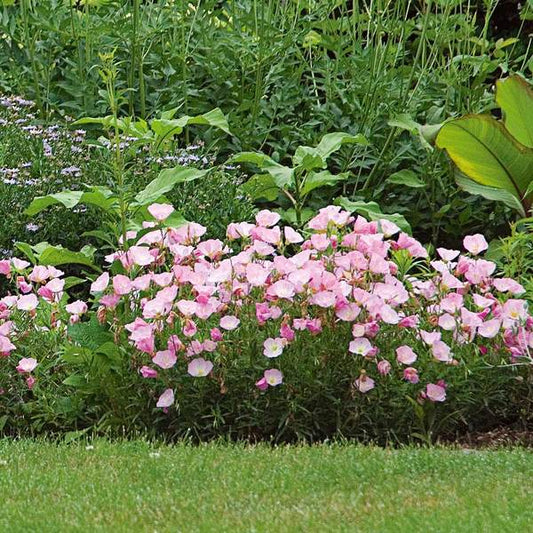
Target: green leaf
x: 165, y: 128
x: 90, y: 334
x: 491, y: 193
x: 515, y: 97
x: 404, y: 122
x: 283, y: 176
x: 97, y: 196
x: 407, y: 178
x: 314, y: 180
x: 261, y: 186
x: 372, y: 211
x: 166, y: 181
x: 26, y: 249
x: 75, y: 380
x: 331, y: 142
x: 57, y: 255
x: 483, y: 150
x: 308, y: 158
x: 69, y: 199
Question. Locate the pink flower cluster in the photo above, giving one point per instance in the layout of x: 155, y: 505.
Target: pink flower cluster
x: 182, y: 300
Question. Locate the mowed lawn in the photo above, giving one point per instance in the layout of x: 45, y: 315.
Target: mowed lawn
x: 136, y: 486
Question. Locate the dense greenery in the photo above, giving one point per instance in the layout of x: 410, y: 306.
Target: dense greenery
x: 285, y: 73
x: 136, y: 486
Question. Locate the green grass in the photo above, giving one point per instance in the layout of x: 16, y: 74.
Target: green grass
x: 141, y: 487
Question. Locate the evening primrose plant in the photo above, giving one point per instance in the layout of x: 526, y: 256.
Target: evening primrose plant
x: 275, y: 334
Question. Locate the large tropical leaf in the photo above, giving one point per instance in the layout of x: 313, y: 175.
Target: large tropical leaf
x: 515, y: 97
x: 487, y: 153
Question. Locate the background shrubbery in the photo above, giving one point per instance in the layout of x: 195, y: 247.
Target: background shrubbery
x: 285, y: 73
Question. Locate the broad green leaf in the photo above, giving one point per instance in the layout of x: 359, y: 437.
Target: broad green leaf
x: 491, y: 193
x: 289, y: 215
x: 165, y: 128
x: 372, y: 211
x: 57, y: 255
x: 407, y: 178
x: 26, y: 249
x: 308, y: 158
x: 283, y: 176
x: 331, y: 142
x: 166, y: 181
x: 102, y: 121
x: 314, y: 180
x: 483, y: 150
x: 515, y: 97
x: 97, y: 196
x: 261, y: 186
x: 69, y: 199
x: 404, y: 122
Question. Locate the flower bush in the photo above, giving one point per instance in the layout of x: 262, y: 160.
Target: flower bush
x: 347, y: 328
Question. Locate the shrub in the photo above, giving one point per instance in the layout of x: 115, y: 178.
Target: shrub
x: 348, y: 329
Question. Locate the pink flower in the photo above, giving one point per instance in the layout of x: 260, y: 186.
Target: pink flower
x: 441, y: 351
x: 199, y: 367
x: 19, y: 264
x: 148, y: 372
x: 384, y: 367
x: 76, y: 308
x: 323, y: 299
x: 256, y: 274
x: 160, y: 211
x: 447, y: 322
x: 360, y: 346
x: 121, y: 285
x: 436, y: 393
x: 229, y: 322
x: 320, y: 241
x: 490, y: 328
x: 165, y: 359
x: 273, y: 377
x: 475, y: 244
x: 286, y: 332
x: 410, y: 374
x: 267, y: 218
x: 26, y: 365
x: 39, y: 274
x: 27, y: 302
x: 166, y: 399
x: 291, y: 236
x: 508, y: 285
x: 5, y: 267
x: 216, y: 335
x: 364, y: 383
x: 273, y: 347
x: 448, y: 255
x: 100, y: 283
x: 262, y: 384
x: 347, y: 312
x: 6, y: 345
x: 189, y: 328
x: 30, y: 382
x: 282, y: 289
x: 405, y: 355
